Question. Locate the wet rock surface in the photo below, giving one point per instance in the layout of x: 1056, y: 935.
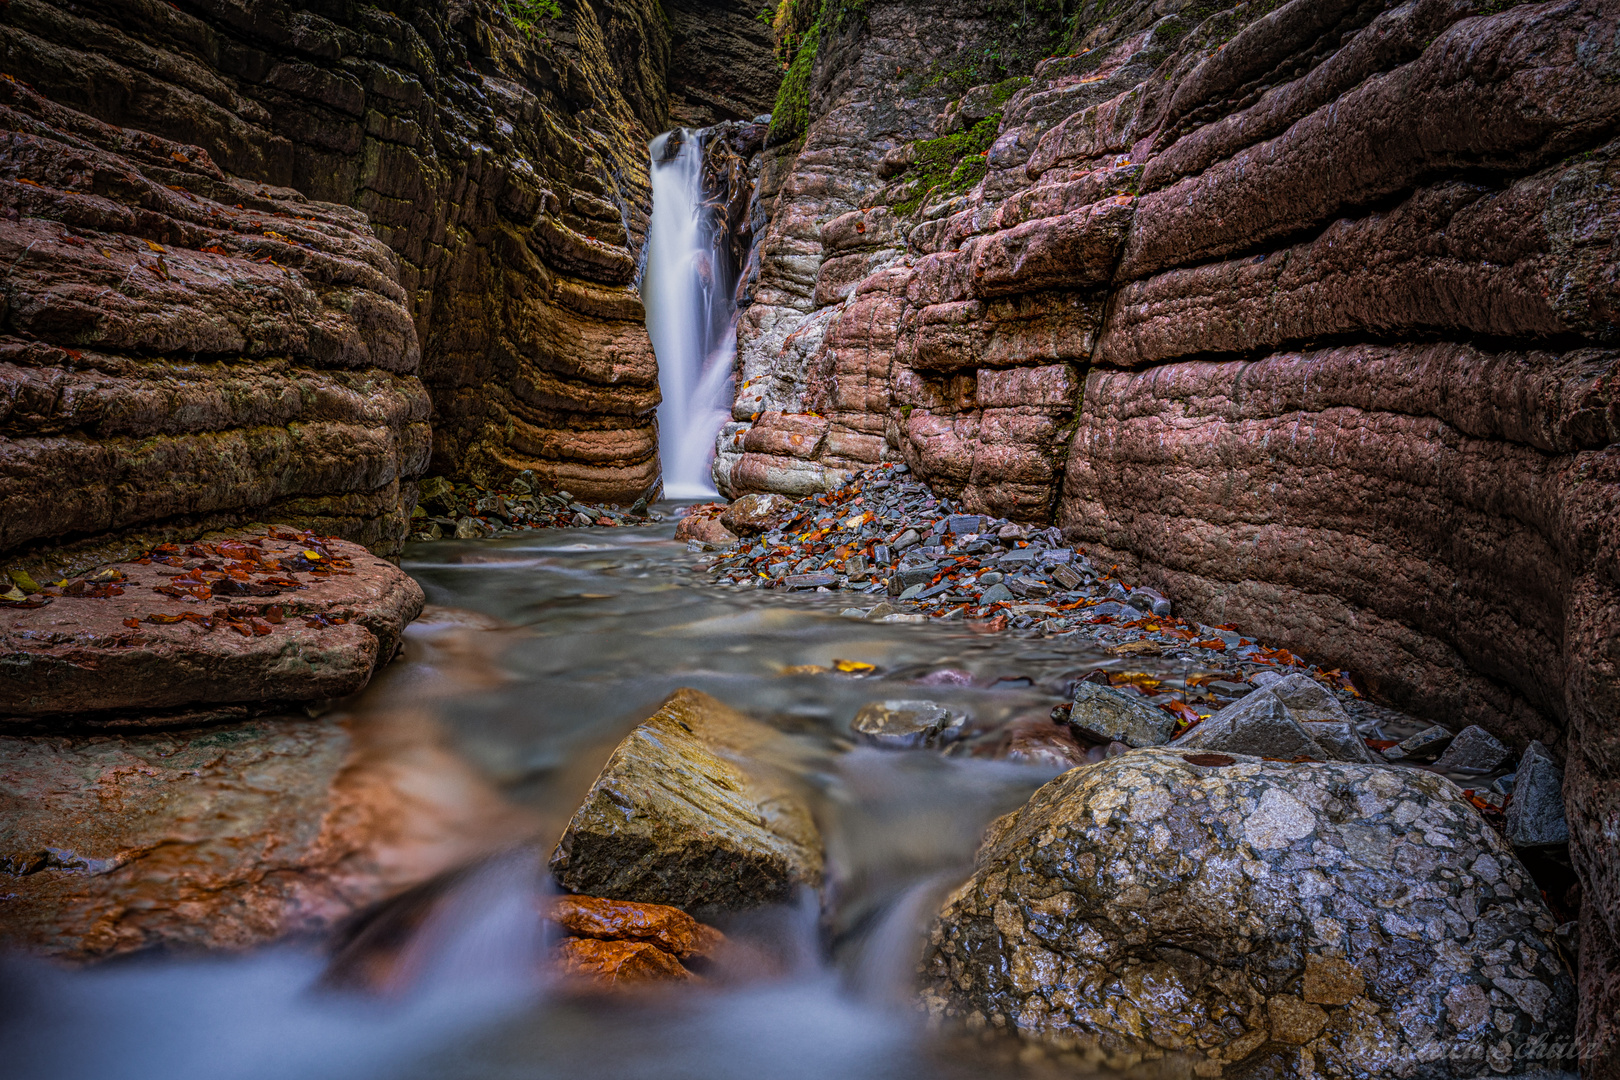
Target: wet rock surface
x: 901, y: 725
x: 231, y: 836
x: 616, y: 944
x: 687, y: 813
x: 1349, y: 918
x: 248, y: 617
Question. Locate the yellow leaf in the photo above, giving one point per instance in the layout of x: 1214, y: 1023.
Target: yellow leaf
x: 154, y: 247
x: 853, y: 667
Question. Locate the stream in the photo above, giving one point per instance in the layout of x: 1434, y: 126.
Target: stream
x: 538, y: 652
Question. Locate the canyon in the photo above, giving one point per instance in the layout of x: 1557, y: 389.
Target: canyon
x: 1306, y: 314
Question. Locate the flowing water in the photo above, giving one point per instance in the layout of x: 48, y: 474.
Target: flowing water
x: 540, y: 651
x: 689, y: 288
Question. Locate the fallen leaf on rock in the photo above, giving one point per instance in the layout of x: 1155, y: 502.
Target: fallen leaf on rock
x: 1182, y: 711
x: 132, y: 623
x: 1208, y: 760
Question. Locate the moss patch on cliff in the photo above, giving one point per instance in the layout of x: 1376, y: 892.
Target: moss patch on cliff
x: 799, y: 26
x: 949, y: 165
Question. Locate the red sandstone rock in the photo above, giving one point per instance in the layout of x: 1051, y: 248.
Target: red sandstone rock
x: 618, y: 964
x: 184, y: 343
x: 704, y: 527
x: 670, y: 929
x: 255, y: 620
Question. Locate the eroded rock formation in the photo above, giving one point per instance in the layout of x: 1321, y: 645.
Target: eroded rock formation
x: 502, y: 164
x: 1304, y: 313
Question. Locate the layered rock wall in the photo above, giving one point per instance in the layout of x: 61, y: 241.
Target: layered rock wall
x: 1304, y: 313
x: 503, y: 168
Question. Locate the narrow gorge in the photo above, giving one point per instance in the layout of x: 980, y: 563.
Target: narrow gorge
x: 819, y: 537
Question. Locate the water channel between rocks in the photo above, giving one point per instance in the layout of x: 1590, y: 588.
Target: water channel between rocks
x: 214, y: 862
x: 538, y: 653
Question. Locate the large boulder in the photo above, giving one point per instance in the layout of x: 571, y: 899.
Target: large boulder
x: 1345, y: 919
x: 247, y: 617
x: 686, y: 813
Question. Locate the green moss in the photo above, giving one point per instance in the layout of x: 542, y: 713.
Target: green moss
x: 1002, y: 92
x: 526, y: 14
x: 790, y: 115
x: 949, y: 165
x: 798, y: 40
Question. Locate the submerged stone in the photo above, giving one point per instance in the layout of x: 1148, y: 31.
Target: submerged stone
x: 906, y: 724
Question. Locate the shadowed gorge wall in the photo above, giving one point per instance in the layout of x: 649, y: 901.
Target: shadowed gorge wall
x: 1306, y: 313
x: 504, y: 170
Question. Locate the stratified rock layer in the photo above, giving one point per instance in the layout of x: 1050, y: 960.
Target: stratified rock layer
x: 1304, y: 313
x: 180, y: 346
x: 685, y: 813
x: 1356, y: 917
x: 506, y: 172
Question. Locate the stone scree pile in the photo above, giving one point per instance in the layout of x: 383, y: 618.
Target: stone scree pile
x: 884, y: 534
x: 469, y: 512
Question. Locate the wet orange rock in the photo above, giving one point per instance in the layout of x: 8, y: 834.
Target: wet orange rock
x: 670, y: 929
x: 616, y: 963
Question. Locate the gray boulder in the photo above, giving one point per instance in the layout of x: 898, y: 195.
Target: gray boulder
x: 1535, y: 817
x: 1360, y: 918
x: 1108, y: 715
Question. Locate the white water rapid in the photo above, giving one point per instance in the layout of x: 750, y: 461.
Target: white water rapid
x: 689, y: 288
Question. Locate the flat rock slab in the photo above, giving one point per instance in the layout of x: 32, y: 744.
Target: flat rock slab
x: 1359, y: 916
x: 245, y: 616
x: 686, y: 813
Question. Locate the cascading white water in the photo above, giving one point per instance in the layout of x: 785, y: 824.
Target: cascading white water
x: 689, y: 291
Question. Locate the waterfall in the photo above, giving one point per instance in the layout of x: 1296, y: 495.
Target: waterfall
x: 689, y: 288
